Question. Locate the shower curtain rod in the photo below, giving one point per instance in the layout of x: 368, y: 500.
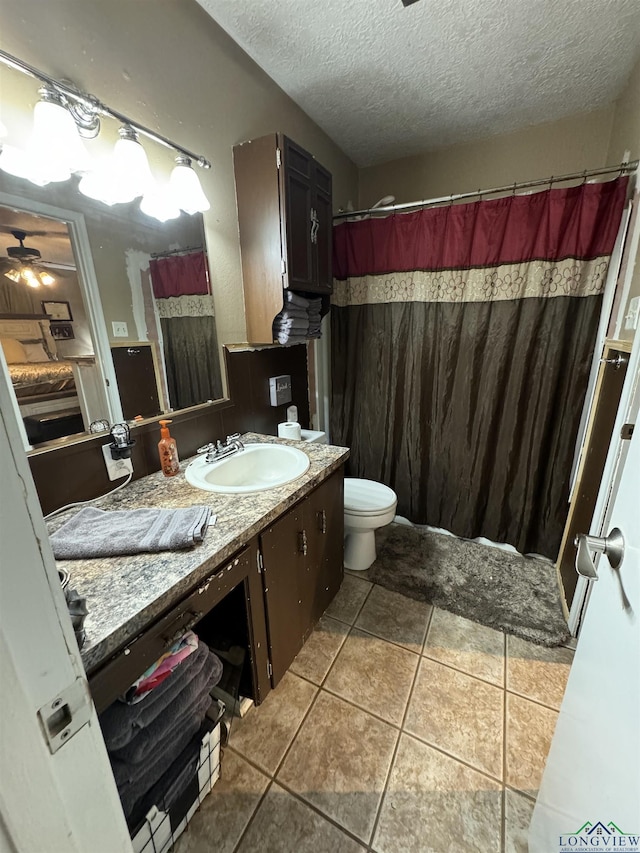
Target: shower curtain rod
x: 622, y: 168
x: 187, y: 251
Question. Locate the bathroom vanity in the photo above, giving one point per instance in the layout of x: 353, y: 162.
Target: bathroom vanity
x: 272, y: 561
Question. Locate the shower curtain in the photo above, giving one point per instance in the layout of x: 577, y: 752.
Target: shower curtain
x: 461, y: 344
x: 185, y: 307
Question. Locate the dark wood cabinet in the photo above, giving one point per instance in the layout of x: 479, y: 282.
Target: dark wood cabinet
x: 285, y: 222
x: 135, y: 369
x: 302, y: 556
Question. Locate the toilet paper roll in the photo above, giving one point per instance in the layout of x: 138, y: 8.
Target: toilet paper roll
x: 290, y: 429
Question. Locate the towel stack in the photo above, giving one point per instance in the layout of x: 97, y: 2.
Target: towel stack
x: 153, y: 732
x: 299, y: 319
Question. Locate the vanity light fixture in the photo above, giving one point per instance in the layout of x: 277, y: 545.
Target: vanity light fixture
x: 63, y: 115
x: 186, y: 189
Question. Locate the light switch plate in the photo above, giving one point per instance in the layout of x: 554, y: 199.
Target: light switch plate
x: 631, y: 317
x: 280, y: 390
x: 120, y: 329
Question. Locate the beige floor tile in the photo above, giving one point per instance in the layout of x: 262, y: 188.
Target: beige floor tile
x: 375, y: 675
x: 283, y: 823
x: 320, y: 650
x: 459, y: 714
x: 538, y: 672
x: 347, y: 603
x: 466, y: 645
x: 395, y: 617
x: 339, y: 762
x: 517, y: 817
x: 265, y: 733
x: 226, y: 811
x: 435, y: 804
x: 529, y: 731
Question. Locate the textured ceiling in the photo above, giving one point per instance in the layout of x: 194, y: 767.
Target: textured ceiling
x: 385, y: 81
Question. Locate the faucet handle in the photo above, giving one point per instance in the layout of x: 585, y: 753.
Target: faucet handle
x: 207, y: 448
x: 234, y: 437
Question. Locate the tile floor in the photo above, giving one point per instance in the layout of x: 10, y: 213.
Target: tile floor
x: 398, y: 728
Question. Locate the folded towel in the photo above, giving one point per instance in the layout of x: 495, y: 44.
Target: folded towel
x: 291, y: 312
x: 298, y: 327
x: 185, y: 704
x: 291, y: 338
x: 138, y: 778
x: 162, y: 668
x: 120, y: 722
x: 172, y: 784
x: 295, y: 299
x: 98, y: 533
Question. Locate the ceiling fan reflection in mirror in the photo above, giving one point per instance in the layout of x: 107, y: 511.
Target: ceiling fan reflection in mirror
x: 25, y: 264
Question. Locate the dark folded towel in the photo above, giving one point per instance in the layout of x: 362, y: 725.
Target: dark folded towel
x: 120, y: 722
x: 292, y: 312
x: 172, y: 784
x: 295, y: 299
x: 134, y: 779
x: 185, y: 704
x: 98, y: 533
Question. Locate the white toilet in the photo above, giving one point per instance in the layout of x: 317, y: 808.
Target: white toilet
x: 367, y: 506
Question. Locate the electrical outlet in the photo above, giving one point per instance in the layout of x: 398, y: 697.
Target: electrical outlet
x: 116, y: 468
x: 120, y: 329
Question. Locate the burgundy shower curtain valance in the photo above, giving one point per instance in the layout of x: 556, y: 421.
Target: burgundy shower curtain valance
x: 508, y: 248
x: 462, y: 338
x: 179, y: 275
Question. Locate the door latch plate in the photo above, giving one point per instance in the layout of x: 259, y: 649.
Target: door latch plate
x: 65, y: 714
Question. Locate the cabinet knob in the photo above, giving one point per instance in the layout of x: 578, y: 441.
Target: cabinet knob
x: 322, y: 520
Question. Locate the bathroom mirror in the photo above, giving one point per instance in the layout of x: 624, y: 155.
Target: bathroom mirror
x: 148, y: 338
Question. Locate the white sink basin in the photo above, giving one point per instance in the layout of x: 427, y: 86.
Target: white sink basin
x: 254, y: 469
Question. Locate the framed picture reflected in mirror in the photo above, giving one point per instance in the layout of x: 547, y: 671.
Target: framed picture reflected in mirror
x: 62, y: 331
x: 58, y: 310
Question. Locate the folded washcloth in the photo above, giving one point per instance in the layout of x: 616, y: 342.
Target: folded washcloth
x: 185, y: 705
x: 295, y: 299
x: 98, y: 533
x: 120, y: 722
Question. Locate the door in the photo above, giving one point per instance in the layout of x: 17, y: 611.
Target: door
x: 298, y: 177
x: 64, y: 801
x: 323, y: 231
x: 590, y: 791
x: 324, y: 526
x: 283, y: 565
x: 136, y: 375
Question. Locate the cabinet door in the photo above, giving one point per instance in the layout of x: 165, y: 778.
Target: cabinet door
x: 323, y: 272
x: 298, y: 180
x: 324, y: 528
x: 283, y: 567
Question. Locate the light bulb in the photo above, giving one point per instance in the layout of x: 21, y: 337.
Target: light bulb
x: 186, y: 189
x: 131, y: 169
x: 29, y: 277
x: 22, y: 164
x: 55, y: 142
x: 159, y: 204
x: 13, y: 275
x: 46, y: 278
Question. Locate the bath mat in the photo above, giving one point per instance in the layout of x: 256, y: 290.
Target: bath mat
x: 503, y: 590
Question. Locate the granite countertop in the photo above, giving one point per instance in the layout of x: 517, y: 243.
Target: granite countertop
x: 127, y: 594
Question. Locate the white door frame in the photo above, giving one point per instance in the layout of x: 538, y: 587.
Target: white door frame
x: 65, y: 802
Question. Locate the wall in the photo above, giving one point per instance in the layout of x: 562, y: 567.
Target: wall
x: 168, y: 65
x: 568, y: 145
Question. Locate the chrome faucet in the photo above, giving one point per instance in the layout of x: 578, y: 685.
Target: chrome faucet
x: 219, y: 450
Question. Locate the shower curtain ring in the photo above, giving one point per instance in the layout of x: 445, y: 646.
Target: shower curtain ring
x: 584, y: 177
x: 551, y: 179
x: 513, y: 191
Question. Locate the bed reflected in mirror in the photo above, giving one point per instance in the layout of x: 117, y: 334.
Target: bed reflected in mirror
x: 158, y: 320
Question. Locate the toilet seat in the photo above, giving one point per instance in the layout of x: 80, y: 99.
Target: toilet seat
x: 366, y: 498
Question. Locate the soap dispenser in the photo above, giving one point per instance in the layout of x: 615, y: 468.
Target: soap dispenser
x: 168, y: 450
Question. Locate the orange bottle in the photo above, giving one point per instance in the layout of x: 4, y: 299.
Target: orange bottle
x: 168, y: 450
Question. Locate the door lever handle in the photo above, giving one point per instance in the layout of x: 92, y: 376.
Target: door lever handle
x: 612, y: 546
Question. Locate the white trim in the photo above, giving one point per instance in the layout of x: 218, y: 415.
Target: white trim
x: 90, y: 291
x: 628, y: 409
x: 608, y: 298
x: 626, y: 285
